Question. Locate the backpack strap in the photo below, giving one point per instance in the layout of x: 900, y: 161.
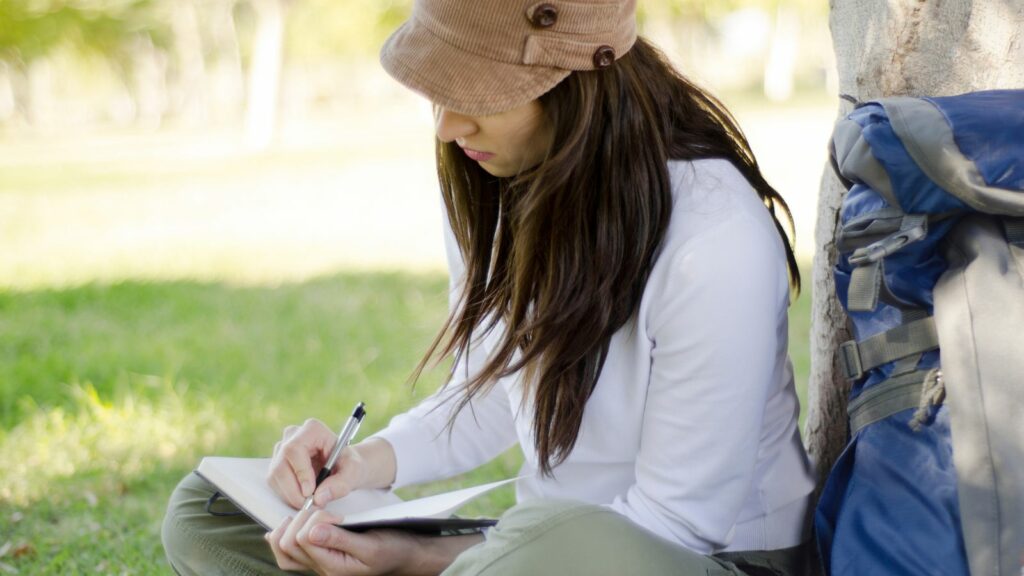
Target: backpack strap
x: 914, y: 337
x: 1014, y: 228
x: 979, y: 312
x: 887, y: 398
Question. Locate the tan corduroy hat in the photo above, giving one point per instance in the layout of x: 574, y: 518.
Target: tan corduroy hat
x: 482, y: 57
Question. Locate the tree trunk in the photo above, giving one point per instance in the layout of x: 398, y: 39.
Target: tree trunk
x: 8, y: 105
x: 148, y: 82
x: 265, y: 73
x: 780, y: 65
x: 188, y: 44
x: 227, y: 71
x: 890, y: 48
x: 42, y: 104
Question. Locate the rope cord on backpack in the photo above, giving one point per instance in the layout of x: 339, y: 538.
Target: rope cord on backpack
x: 933, y: 393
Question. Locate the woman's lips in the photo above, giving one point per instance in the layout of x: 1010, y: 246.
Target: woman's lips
x: 478, y: 156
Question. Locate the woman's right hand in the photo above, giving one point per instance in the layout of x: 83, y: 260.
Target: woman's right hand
x: 298, y: 458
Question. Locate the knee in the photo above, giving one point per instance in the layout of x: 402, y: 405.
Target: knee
x: 530, y: 535
x: 545, y: 514
x: 198, y: 542
x: 181, y: 530
x: 566, y: 537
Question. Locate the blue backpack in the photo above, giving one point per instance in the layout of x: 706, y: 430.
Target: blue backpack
x: 931, y: 274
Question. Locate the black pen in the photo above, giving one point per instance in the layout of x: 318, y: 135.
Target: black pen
x: 346, y: 435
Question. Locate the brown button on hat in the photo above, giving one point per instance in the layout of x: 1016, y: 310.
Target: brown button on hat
x: 482, y: 57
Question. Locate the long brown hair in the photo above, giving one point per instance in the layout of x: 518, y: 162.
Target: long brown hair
x: 560, y: 254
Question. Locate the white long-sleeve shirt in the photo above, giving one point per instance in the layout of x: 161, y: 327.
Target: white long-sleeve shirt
x: 691, y: 431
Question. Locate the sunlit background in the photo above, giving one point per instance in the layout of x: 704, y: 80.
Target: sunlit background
x: 218, y: 217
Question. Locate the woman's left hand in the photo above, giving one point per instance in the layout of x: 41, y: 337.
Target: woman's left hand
x: 312, y: 541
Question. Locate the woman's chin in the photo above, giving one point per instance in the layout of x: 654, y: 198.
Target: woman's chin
x: 498, y: 171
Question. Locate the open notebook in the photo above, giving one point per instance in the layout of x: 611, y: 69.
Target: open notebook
x: 243, y: 481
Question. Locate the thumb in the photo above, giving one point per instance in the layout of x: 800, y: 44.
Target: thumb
x: 333, y: 487
x: 327, y: 535
x: 355, y: 545
x: 336, y: 551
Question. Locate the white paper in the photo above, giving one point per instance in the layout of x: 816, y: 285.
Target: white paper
x: 439, y: 506
x: 244, y: 481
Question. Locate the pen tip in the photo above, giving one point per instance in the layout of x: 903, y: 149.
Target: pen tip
x: 360, y: 411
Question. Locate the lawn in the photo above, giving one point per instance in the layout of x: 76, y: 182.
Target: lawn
x: 110, y: 393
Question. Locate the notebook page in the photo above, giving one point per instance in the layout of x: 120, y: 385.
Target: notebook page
x: 244, y: 482
x: 439, y: 506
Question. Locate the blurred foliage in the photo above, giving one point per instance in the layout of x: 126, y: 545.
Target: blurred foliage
x: 359, y: 27
x: 316, y: 28
x: 350, y: 28
x: 709, y: 11
x: 155, y: 60
x: 33, y: 28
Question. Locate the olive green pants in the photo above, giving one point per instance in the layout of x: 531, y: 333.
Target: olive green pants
x: 534, y: 538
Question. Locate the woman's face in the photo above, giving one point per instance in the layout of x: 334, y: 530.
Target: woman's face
x: 504, y: 144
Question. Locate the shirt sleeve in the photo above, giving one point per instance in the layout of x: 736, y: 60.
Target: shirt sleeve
x: 425, y: 450
x: 714, y: 323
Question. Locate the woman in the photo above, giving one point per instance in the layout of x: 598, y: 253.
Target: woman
x: 619, y: 285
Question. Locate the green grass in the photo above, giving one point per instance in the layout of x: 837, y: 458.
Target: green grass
x: 130, y: 384
x: 800, y: 339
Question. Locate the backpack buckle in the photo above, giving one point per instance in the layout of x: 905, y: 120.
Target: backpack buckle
x: 913, y: 228
x: 849, y: 360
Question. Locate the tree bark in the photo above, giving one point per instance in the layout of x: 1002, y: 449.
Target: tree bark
x: 890, y: 48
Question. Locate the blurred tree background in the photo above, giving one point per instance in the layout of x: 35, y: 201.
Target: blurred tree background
x: 67, y: 63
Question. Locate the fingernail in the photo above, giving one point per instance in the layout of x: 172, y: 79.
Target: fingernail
x: 318, y: 535
x: 307, y: 488
x: 323, y: 496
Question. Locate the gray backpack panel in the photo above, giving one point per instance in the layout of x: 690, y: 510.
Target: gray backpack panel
x: 979, y: 316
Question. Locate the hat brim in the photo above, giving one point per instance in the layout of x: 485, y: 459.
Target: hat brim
x: 459, y: 80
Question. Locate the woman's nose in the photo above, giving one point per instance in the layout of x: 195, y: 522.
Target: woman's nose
x: 451, y: 125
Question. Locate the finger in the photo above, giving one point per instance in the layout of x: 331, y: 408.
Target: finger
x: 329, y: 546
x: 334, y: 557
x: 289, y: 431
x: 273, y: 538
x: 311, y: 443
x: 288, y: 542
x: 345, y: 477
x: 299, y: 461
x: 316, y: 523
x: 328, y: 517
x: 282, y: 480
x: 333, y: 487
x: 323, y: 530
